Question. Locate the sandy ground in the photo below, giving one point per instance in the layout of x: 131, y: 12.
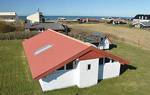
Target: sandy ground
x: 138, y: 37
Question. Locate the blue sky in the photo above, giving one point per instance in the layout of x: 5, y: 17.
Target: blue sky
x: 78, y: 7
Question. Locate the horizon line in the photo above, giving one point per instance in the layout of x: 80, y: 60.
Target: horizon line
x: 82, y: 15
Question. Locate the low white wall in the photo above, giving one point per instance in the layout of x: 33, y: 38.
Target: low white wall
x: 109, y: 70
x: 57, y: 80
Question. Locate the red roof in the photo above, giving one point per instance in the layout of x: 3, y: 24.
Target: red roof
x: 51, y: 50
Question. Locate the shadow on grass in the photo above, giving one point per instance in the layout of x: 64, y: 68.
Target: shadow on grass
x: 124, y: 68
x: 112, y: 46
x: 100, y: 80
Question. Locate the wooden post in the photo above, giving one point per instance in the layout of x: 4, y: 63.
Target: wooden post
x: 139, y: 43
x: 64, y: 67
x: 103, y: 60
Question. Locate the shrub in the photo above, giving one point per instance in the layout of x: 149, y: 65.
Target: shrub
x: 11, y: 27
x: 4, y: 28
x: 16, y: 35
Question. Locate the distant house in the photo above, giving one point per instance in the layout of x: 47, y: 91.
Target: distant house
x: 87, y: 20
x: 61, y: 19
x: 53, y: 26
x: 116, y: 21
x: 140, y: 18
x: 144, y: 24
x: 36, y: 17
x: 59, y: 61
x: 44, y: 26
x: 99, y: 39
x: 8, y: 16
x: 33, y: 27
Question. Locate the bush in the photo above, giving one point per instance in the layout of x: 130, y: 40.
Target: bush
x: 4, y: 28
x: 11, y: 27
x: 16, y: 35
x: 130, y: 25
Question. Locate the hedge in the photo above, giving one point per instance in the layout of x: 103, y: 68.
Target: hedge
x: 16, y: 35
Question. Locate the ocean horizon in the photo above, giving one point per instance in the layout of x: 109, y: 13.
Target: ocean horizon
x: 74, y: 17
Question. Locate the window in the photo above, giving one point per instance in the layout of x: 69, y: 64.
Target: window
x: 113, y: 60
x: 139, y: 17
x: 89, y: 66
x: 75, y: 64
x: 69, y: 66
x: 62, y: 68
x: 107, y: 60
x: 142, y: 17
x: 102, y: 41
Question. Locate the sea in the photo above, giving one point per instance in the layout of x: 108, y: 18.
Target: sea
x: 73, y: 17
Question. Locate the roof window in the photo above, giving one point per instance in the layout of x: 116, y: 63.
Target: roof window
x: 42, y: 49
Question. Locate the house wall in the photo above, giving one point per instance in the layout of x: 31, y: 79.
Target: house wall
x: 137, y: 21
x: 109, y: 70
x: 34, y: 17
x: 105, y: 45
x: 9, y: 18
x: 87, y: 77
x: 79, y: 76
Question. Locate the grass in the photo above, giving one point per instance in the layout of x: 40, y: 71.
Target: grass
x: 15, y: 76
x: 133, y: 36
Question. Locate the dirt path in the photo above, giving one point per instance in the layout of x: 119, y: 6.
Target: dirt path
x: 137, y: 37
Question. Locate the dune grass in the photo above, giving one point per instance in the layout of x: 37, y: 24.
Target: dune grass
x: 15, y: 76
x: 138, y: 37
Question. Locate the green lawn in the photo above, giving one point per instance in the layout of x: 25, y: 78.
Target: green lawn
x: 15, y: 76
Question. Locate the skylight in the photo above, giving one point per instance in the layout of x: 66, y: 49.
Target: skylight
x: 42, y: 49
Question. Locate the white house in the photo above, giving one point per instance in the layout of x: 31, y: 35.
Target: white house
x: 36, y: 17
x: 59, y: 61
x: 8, y: 16
x: 104, y: 43
x: 139, y: 19
x: 61, y: 19
x: 100, y: 40
x: 144, y: 25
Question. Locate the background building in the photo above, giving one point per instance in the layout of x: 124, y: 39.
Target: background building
x: 36, y: 17
x: 138, y: 19
x: 59, y: 61
x: 8, y: 16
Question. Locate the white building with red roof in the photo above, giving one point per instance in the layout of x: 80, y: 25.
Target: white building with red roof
x: 59, y: 61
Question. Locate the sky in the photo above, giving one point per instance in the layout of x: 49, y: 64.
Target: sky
x: 124, y: 8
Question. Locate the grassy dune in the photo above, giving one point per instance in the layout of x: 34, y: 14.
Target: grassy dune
x: 133, y: 36
x: 15, y: 76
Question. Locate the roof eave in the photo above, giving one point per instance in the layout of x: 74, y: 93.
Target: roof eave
x: 62, y: 64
